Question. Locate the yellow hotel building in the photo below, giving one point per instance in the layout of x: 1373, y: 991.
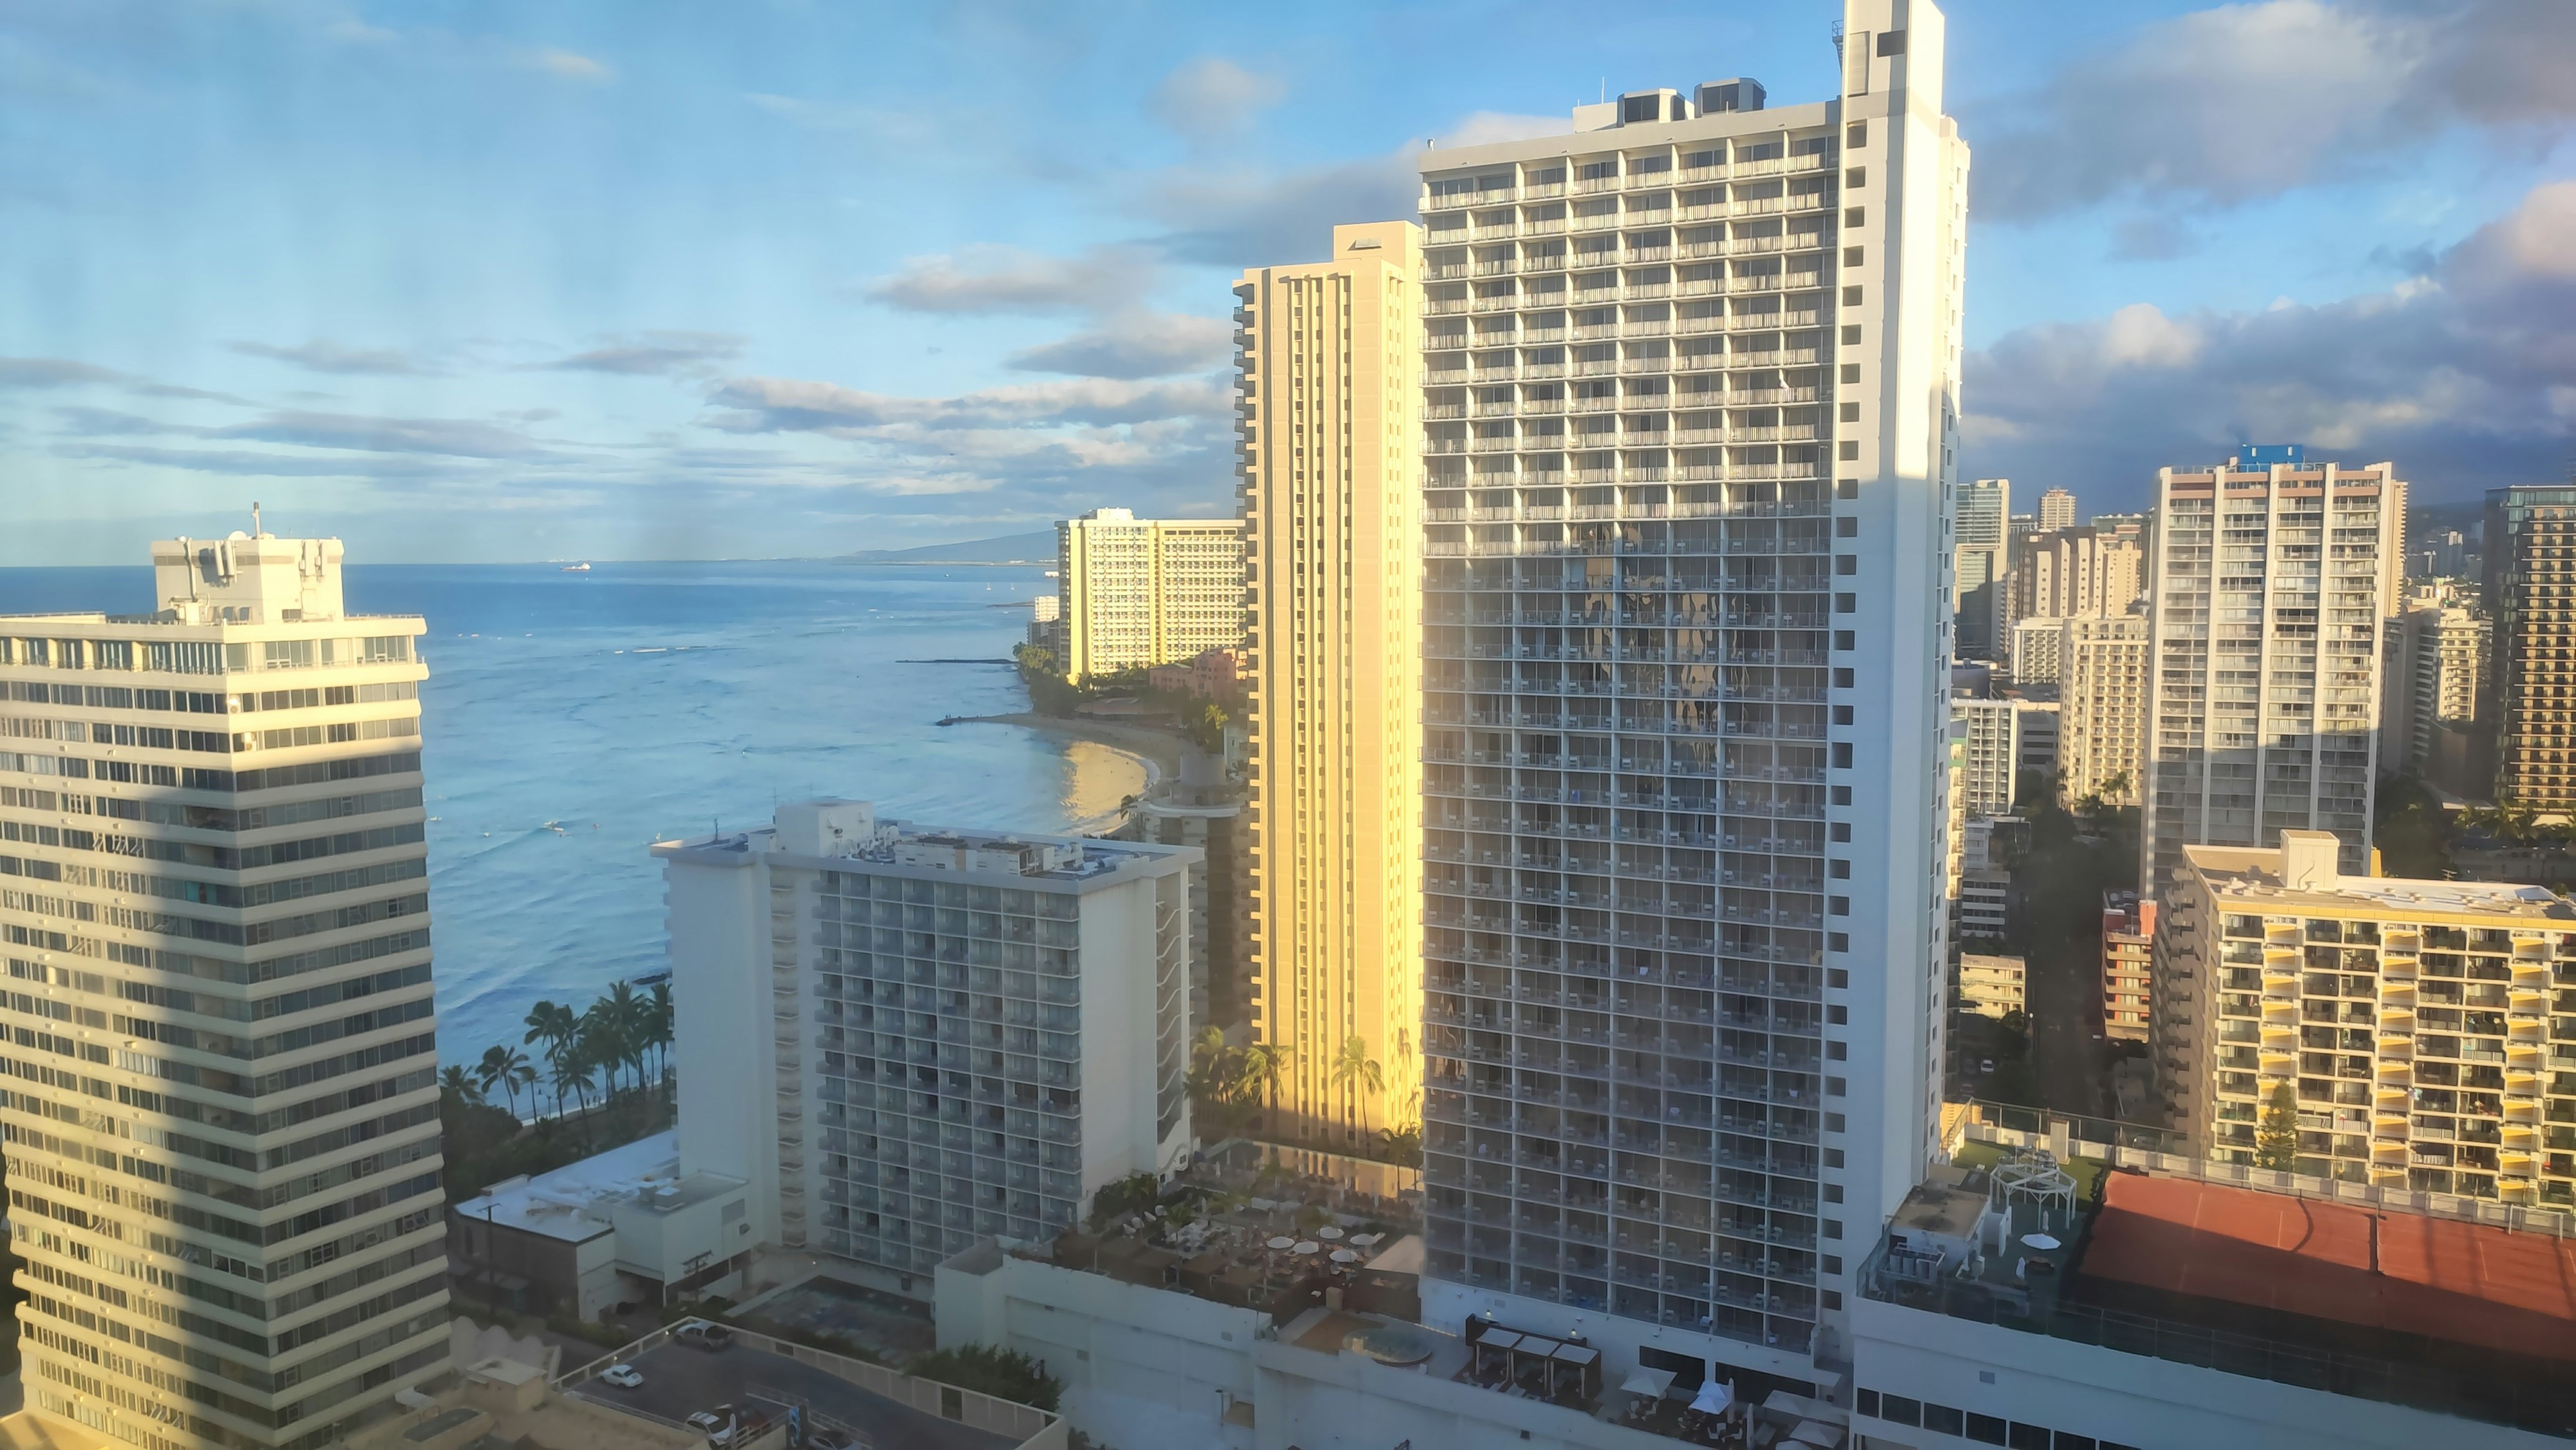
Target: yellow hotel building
x: 1329, y: 384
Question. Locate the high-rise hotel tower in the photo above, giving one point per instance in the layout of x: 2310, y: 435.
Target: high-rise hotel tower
x: 1686, y: 650
x: 1329, y: 392
x: 221, y: 1085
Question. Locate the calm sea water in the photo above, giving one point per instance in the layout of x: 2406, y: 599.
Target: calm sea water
x: 643, y: 701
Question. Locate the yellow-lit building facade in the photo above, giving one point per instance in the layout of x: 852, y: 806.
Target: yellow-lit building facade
x: 1135, y: 593
x: 1329, y: 379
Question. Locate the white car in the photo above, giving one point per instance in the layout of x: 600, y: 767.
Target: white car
x: 715, y: 1424
x: 624, y: 1376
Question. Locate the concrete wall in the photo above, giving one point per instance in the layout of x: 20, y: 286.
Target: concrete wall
x: 2126, y: 1398
x: 718, y: 920
x: 1095, y: 1332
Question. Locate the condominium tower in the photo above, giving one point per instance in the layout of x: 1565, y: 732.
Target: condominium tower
x: 2410, y: 1021
x: 2436, y: 649
x: 222, y: 1120
x: 1685, y: 672
x: 1981, y: 556
x: 2076, y: 573
x: 1142, y: 592
x: 2102, y: 708
x: 2531, y: 591
x: 1330, y: 387
x: 2056, y: 510
x: 2264, y: 648
x: 905, y: 1039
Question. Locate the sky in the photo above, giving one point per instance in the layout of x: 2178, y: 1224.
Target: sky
x: 610, y: 279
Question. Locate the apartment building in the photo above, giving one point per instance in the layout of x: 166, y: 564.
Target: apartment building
x: 2410, y: 1020
x: 905, y: 1038
x: 2271, y: 583
x: 1981, y: 560
x: 2128, y: 966
x: 2436, y: 650
x: 1686, y: 665
x: 2075, y: 573
x: 2035, y: 645
x: 1329, y: 383
x: 2102, y: 708
x: 1134, y: 593
x: 2056, y: 510
x: 222, y: 1124
x: 1992, y: 986
x: 2000, y: 741
x: 2531, y: 590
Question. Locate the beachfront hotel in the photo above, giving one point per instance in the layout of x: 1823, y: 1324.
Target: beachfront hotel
x: 903, y: 1039
x: 1135, y: 593
x: 221, y: 1099
x: 1690, y: 374
x: 1329, y: 383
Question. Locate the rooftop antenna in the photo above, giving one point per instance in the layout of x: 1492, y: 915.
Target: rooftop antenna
x: 254, y: 518
x: 1838, y: 42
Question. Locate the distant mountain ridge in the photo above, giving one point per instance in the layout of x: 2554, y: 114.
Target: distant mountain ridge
x: 1037, y: 548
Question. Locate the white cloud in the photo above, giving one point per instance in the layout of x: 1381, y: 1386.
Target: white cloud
x: 2244, y: 101
x: 2458, y: 375
x: 571, y: 66
x: 322, y: 355
x: 1134, y: 345
x: 654, y: 354
x: 1212, y: 96
x: 987, y: 278
x: 767, y: 405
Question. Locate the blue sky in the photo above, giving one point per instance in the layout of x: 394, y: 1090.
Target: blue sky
x: 625, y: 280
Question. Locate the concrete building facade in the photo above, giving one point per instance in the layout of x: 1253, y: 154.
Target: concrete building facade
x: 2437, y: 650
x: 2075, y: 573
x: 2409, y: 1019
x: 904, y: 1038
x: 222, y: 1119
x: 1134, y: 593
x: 2264, y: 655
x: 1688, y: 641
x: 2128, y: 966
x: 2102, y: 709
x: 2056, y: 510
x: 1329, y: 384
x: 2531, y: 591
x: 1981, y: 560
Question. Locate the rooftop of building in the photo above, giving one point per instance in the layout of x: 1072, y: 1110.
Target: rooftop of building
x: 2300, y: 875
x: 829, y: 831
x: 2469, y: 1312
x: 574, y: 1203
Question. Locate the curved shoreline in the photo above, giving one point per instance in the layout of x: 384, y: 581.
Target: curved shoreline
x: 1159, y: 751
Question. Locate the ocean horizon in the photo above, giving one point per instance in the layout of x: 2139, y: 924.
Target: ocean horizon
x: 572, y: 719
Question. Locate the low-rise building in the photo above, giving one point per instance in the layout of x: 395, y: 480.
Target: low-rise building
x: 1992, y: 986
x: 905, y: 1038
x: 620, y: 1227
x: 1211, y: 674
x: 2128, y: 965
x: 1984, y: 897
x: 2410, y: 1020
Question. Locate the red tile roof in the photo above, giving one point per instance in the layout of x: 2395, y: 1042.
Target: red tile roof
x: 2436, y: 1277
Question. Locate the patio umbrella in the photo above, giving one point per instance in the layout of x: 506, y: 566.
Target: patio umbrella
x: 1329, y: 1231
x: 1308, y: 1246
x: 1713, y: 1398
x: 1364, y: 1240
x: 1281, y: 1242
x: 2042, y: 1242
x: 1345, y: 1256
x: 1648, y: 1383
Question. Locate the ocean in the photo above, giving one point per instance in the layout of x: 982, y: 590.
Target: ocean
x: 570, y: 720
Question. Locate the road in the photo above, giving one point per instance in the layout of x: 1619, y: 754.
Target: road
x: 679, y: 1381
x: 2064, y: 987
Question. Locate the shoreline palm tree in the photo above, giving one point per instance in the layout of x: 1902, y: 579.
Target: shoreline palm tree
x: 659, y: 1024
x: 555, y: 1026
x: 505, y: 1068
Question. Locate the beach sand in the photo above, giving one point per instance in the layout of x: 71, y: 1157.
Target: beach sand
x: 1160, y: 750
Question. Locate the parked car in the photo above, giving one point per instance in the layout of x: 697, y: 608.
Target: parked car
x: 624, y: 1376
x: 716, y: 1424
x: 699, y: 1334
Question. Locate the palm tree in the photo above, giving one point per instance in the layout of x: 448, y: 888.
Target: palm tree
x: 1353, y: 1068
x: 555, y: 1026
x: 503, y: 1067
x: 600, y: 1041
x: 572, y: 1074
x: 456, y: 1080
x: 1264, y: 1064
x: 628, y: 1014
x: 658, y: 1028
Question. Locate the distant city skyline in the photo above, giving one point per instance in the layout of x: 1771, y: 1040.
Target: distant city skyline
x: 569, y: 282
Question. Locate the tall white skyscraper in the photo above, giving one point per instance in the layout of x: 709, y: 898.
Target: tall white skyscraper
x: 2056, y: 510
x: 222, y: 1107
x: 2264, y: 653
x: 1686, y: 666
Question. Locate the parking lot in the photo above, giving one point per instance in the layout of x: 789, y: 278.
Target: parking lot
x: 679, y: 1380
